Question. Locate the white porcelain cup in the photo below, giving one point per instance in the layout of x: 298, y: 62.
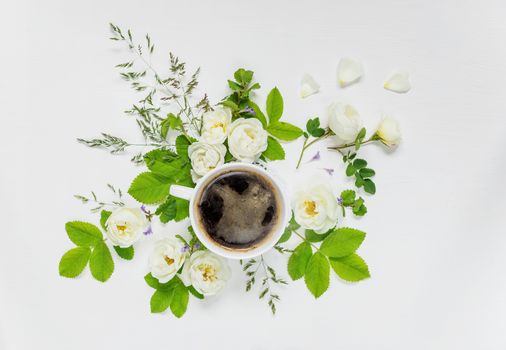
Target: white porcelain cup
x: 194, y: 195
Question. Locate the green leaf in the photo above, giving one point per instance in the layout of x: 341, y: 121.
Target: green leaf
x: 298, y: 260
x: 104, y: 215
x: 230, y: 104
x: 359, y: 208
x: 359, y: 182
x: 314, y: 237
x: 74, y: 261
x: 350, y: 170
x: 317, y: 274
x: 173, y: 209
x: 292, y: 226
x: 161, y: 300
x: 359, y: 163
x: 274, y: 105
x: 83, y: 233
x: 194, y: 292
x: 180, y: 299
x: 149, y: 188
x: 313, y: 127
x: 152, y: 281
x: 182, y: 209
x: 341, y: 242
x: 182, y: 145
x: 284, y: 131
x: 101, y: 263
x: 167, y: 210
x: 233, y: 85
x: 350, y: 268
x: 175, y: 121
x: 258, y: 113
x: 366, y: 172
x: 359, y: 138
x: 348, y: 197
x: 125, y: 253
x: 165, y: 163
x: 361, y: 134
x: 274, y: 150
x: 369, y: 186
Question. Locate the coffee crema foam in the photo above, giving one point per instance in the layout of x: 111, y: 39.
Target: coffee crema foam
x: 238, y: 209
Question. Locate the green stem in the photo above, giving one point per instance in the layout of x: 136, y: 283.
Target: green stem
x: 306, y: 145
x: 305, y: 240
x: 352, y: 144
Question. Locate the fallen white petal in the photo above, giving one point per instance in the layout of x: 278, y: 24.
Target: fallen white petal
x: 398, y: 82
x: 349, y: 71
x: 308, y: 86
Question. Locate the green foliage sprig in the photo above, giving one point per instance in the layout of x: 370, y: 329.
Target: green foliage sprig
x: 337, y: 251
x: 91, y: 248
x: 172, y: 91
x: 269, y: 277
x: 99, y: 204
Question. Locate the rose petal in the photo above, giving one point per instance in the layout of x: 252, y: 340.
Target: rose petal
x: 308, y: 86
x: 349, y: 71
x: 398, y: 82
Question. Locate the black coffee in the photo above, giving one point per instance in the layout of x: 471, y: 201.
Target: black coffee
x: 238, y: 209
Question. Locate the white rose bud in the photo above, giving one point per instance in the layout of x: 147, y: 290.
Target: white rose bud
x: 247, y: 139
x: 125, y: 226
x: 344, y: 121
x: 205, y: 157
x: 315, y: 208
x: 206, y: 272
x: 167, y: 258
x: 215, y: 125
x: 389, y: 132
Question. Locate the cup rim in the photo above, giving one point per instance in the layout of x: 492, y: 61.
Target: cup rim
x: 269, y: 242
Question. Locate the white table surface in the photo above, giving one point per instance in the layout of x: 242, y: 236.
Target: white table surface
x: 436, y: 241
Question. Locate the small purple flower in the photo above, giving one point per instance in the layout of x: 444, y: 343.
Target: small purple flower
x: 197, y: 245
x: 340, y: 200
x: 185, y: 248
x: 148, y: 231
x: 315, y: 157
x: 329, y: 171
x: 249, y: 110
x: 144, y: 210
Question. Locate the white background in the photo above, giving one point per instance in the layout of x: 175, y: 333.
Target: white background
x: 436, y: 239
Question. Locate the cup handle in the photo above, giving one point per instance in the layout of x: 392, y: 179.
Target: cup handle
x: 182, y: 192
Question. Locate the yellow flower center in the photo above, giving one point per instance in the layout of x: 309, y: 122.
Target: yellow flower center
x: 168, y: 260
x: 310, y: 208
x: 208, y: 272
x: 217, y: 125
x: 121, y: 228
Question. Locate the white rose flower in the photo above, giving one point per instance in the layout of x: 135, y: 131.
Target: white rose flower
x: 125, y: 226
x: 205, y: 157
x: 247, y: 139
x: 315, y: 208
x: 215, y: 125
x: 389, y: 132
x: 344, y: 121
x: 167, y: 258
x: 206, y: 272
